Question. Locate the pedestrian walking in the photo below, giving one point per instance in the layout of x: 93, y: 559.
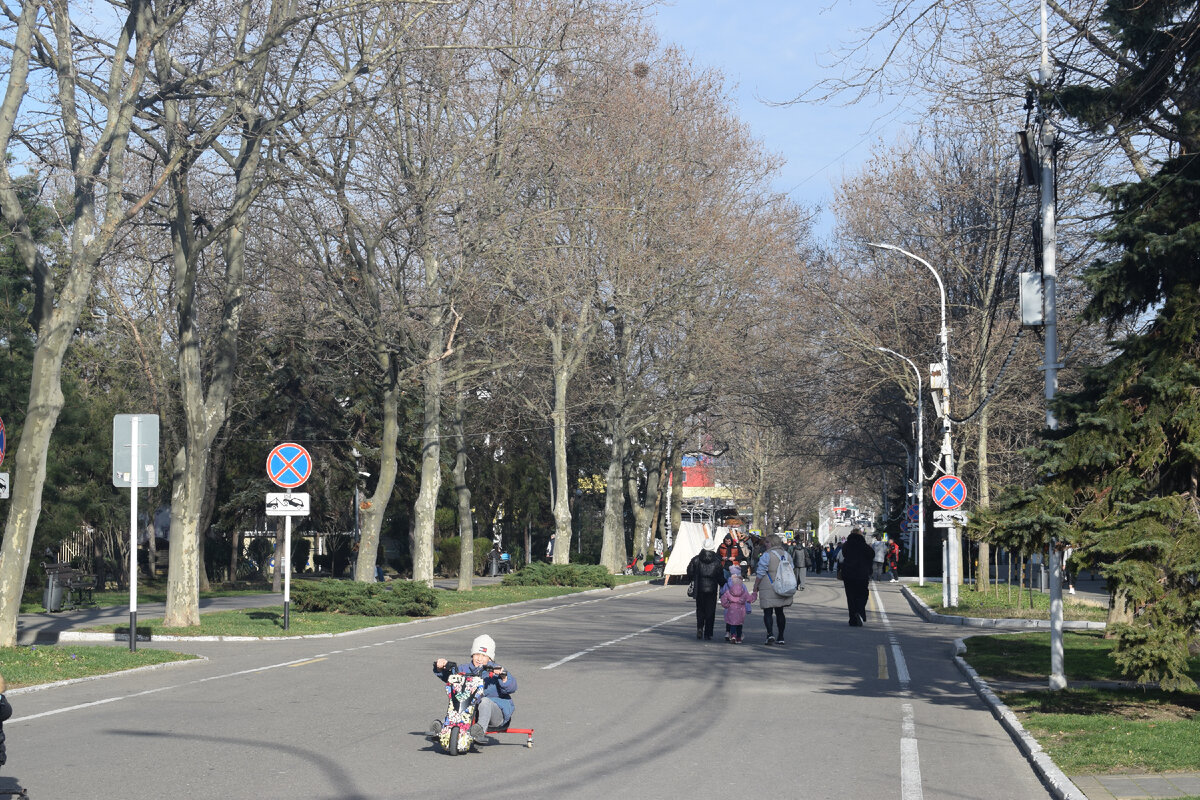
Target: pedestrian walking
x: 856, y: 559
x: 879, y: 547
x: 893, y: 558
x: 771, y: 602
x: 707, y: 577
x: 737, y: 601
x: 800, y: 561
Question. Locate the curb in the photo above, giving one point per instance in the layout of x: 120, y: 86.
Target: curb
x: 929, y: 615
x: 1049, y: 773
x: 93, y: 636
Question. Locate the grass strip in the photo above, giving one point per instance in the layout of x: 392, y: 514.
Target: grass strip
x: 38, y: 664
x: 1111, y: 731
x: 268, y: 622
x: 1002, y: 603
x: 1026, y: 657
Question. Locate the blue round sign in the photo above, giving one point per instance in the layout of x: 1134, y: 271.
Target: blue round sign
x: 289, y: 465
x: 949, y: 492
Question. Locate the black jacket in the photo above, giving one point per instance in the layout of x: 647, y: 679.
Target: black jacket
x: 857, y: 557
x: 706, y: 571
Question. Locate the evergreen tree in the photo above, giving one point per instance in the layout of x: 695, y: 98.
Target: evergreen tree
x: 1121, y: 477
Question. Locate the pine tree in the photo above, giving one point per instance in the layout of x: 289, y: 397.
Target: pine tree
x: 1121, y: 476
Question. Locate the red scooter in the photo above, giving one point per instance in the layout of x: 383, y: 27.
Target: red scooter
x: 653, y: 569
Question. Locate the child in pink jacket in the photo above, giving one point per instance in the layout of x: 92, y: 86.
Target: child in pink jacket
x: 736, y: 600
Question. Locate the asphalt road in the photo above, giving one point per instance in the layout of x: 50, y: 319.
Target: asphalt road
x: 623, y: 698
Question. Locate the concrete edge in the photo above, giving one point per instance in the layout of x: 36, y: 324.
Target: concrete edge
x: 929, y: 615
x: 1048, y: 772
x: 97, y: 636
x: 70, y: 681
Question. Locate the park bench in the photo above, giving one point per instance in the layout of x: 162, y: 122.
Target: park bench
x: 78, y: 588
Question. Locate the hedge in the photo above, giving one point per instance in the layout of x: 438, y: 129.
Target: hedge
x: 540, y: 574
x: 391, y: 599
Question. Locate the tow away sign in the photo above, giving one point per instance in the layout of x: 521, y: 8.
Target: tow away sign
x: 948, y: 519
x: 287, y: 504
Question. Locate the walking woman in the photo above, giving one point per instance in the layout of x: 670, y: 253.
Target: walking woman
x: 772, y: 604
x: 705, y: 573
x: 856, y: 559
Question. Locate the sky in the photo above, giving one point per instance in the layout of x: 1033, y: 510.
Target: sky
x: 772, y: 50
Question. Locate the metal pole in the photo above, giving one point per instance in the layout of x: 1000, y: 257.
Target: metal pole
x: 1058, y: 679
x: 953, y: 559
x: 920, y: 472
x: 285, y: 561
x: 133, y: 482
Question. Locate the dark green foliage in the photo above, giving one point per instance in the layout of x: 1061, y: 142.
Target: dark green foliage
x: 1122, y: 474
x: 560, y: 575
x: 391, y: 599
x: 446, y: 556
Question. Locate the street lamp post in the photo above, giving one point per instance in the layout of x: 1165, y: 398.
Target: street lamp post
x: 953, y: 557
x: 920, y: 468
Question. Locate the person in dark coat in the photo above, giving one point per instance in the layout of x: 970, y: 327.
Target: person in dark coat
x: 5, y: 713
x: 856, y: 558
x: 706, y: 572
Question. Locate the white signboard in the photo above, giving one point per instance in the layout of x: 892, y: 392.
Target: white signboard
x: 3, y: 485
x: 287, y: 504
x: 948, y: 519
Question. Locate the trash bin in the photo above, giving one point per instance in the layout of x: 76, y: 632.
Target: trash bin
x: 52, y: 597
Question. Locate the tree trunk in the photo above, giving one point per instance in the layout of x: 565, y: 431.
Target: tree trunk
x: 466, y: 522
x: 371, y: 517
x: 983, y: 577
x: 612, y: 546
x: 431, y: 457
x: 1119, y: 611
x: 560, y: 506
x: 677, y: 492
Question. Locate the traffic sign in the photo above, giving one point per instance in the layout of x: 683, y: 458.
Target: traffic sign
x: 3, y: 441
x: 949, y: 492
x: 948, y: 519
x: 914, y: 513
x: 289, y: 465
x: 144, y: 464
x: 3, y: 485
x: 287, y: 504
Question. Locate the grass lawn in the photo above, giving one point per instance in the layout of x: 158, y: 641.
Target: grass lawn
x: 1004, y: 603
x: 1107, y: 731
x: 269, y: 621
x: 38, y: 664
x: 1026, y: 656
x: 1089, y: 730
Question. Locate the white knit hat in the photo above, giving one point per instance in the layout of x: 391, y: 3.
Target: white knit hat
x: 484, y: 644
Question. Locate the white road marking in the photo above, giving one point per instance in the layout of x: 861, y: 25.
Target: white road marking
x: 910, y: 758
x: 574, y: 656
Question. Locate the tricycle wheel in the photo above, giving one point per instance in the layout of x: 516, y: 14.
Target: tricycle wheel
x: 454, y: 742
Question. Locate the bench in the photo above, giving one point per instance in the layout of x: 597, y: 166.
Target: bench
x: 77, y: 588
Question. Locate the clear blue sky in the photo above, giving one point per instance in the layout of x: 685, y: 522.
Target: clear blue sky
x: 772, y: 50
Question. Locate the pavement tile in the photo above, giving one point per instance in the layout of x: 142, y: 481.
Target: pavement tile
x: 1155, y: 786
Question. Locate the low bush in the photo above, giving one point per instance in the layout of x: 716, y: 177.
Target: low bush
x: 392, y: 599
x: 560, y: 575
x: 448, y: 555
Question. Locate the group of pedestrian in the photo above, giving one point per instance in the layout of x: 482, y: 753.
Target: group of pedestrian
x: 719, y: 574
x: 716, y: 576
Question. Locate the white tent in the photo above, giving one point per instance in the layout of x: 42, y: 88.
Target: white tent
x: 688, y: 543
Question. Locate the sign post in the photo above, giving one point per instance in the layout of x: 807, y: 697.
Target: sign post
x: 135, y: 450
x: 288, y: 466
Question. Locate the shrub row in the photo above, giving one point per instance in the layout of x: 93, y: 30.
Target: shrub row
x: 392, y: 599
x: 560, y: 575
